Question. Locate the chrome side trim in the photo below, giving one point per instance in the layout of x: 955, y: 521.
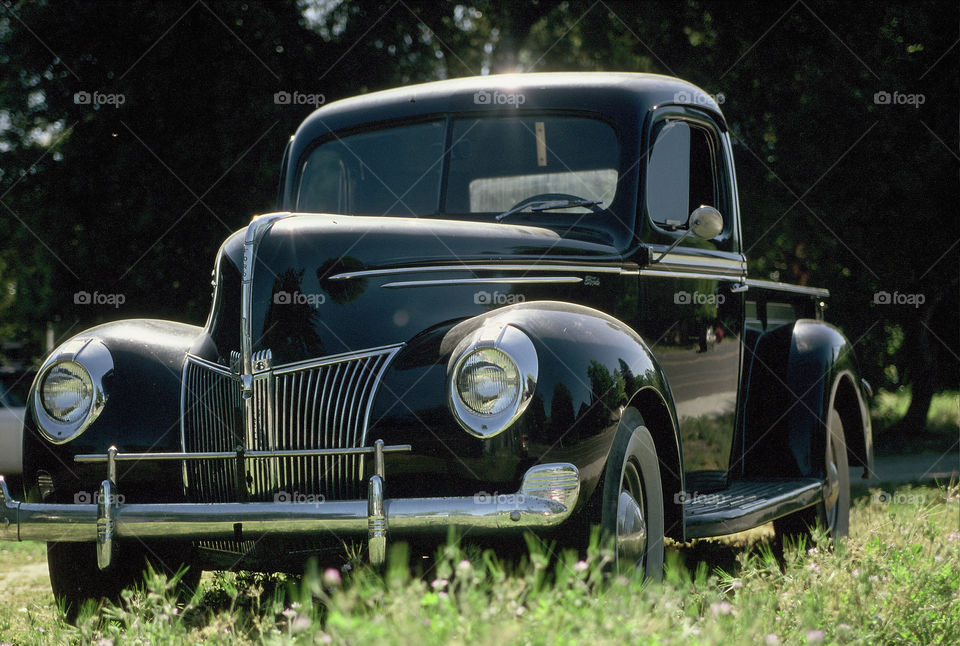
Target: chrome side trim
x: 816, y: 292
x: 533, y: 266
x: 656, y: 273
x: 481, y: 281
x: 677, y: 260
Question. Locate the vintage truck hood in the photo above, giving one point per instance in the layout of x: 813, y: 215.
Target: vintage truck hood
x: 325, y: 285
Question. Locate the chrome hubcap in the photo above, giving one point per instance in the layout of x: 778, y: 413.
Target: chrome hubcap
x: 631, y: 523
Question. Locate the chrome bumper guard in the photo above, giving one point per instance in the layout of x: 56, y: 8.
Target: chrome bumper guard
x: 547, y: 495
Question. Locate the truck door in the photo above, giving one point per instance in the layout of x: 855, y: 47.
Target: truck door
x: 691, y: 305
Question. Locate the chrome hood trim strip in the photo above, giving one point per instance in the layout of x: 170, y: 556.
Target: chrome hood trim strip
x: 483, y: 281
x: 255, y: 232
x: 531, y: 267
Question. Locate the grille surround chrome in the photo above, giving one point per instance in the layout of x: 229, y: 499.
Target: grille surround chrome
x: 313, y: 404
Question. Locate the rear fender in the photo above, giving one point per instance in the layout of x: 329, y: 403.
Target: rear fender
x: 797, y: 373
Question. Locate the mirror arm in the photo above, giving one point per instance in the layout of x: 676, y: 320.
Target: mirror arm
x: 671, y: 247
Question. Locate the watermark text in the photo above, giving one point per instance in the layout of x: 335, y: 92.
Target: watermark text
x: 98, y: 298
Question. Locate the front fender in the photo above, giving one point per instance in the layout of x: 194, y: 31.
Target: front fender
x: 142, y: 413
x: 591, y: 367
x: 797, y: 373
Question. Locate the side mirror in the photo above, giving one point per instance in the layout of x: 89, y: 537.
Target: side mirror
x: 705, y: 222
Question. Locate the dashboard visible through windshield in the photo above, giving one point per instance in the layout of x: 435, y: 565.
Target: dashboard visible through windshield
x: 537, y: 168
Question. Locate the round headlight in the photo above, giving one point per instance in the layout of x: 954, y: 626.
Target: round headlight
x: 488, y: 382
x: 492, y: 374
x: 67, y: 392
x: 70, y: 391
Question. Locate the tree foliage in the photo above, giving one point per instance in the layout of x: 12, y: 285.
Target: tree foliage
x: 837, y: 188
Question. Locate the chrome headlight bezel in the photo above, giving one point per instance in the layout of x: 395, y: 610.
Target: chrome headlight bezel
x: 519, y: 349
x: 93, y: 357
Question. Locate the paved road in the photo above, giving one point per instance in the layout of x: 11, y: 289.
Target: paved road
x: 910, y: 468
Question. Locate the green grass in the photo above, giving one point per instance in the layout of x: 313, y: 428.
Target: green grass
x: 895, y: 580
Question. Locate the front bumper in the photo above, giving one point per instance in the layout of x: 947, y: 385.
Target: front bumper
x: 547, y: 496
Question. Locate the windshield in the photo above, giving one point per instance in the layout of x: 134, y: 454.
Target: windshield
x: 565, y: 167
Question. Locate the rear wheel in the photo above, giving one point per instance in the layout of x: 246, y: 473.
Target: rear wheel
x: 76, y: 578
x: 833, y: 511
x: 631, y: 513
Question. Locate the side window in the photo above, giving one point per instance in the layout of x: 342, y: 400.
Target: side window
x: 683, y: 172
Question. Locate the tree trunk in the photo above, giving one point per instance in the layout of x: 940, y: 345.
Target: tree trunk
x: 915, y: 419
x: 922, y: 375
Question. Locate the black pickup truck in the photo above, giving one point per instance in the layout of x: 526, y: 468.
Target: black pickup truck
x: 504, y: 304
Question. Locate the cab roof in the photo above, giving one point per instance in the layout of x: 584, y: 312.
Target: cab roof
x: 614, y: 94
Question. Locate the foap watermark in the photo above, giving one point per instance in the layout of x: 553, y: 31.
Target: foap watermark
x: 298, y: 98
x: 705, y: 499
x: 484, y: 297
x: 299, y: 298
x: 898, y: 98
x: 896, y: 498
x: 696, y: 98
x: 697, y: 298
x: 99, y: 98
x: 516, y: 99
x: 93, y: 498
x: 98, y: 298
x: 896, y: 298
x: 299, y: 498
x: 495, y: 498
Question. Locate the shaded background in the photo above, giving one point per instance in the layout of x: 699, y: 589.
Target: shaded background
x: 134, y: 136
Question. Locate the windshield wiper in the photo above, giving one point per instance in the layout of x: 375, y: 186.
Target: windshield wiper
x: 547, y: 205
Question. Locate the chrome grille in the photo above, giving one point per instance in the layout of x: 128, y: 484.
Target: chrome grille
x: 211, y: 420
x: 323, y: 403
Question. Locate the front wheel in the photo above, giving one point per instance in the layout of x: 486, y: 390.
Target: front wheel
x: 75, y: 577
x: 833, y: 511
x: 631, y: 512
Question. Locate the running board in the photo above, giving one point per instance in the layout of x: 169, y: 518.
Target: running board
x: 746, y: 504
